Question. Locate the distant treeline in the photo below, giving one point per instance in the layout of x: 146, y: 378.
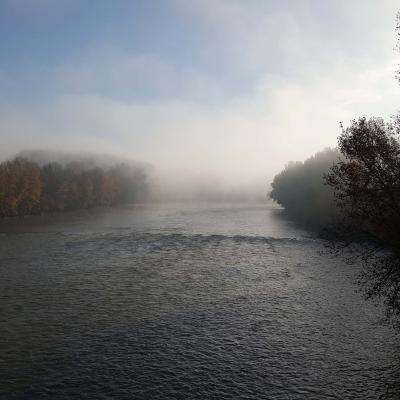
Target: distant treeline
x: 27, y: 187
x: 301, y: 190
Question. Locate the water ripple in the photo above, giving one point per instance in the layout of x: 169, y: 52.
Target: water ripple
x: 123, y: 314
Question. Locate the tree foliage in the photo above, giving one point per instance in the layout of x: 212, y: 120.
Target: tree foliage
x: 300, y: 189
x: 28, y: 188
x: 366, y: 182
x: 356, y: 186
x: 366, y: 186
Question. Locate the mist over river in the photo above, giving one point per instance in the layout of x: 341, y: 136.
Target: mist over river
x: 184, y: 302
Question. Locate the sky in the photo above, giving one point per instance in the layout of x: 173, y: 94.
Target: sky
x: 223, y: 91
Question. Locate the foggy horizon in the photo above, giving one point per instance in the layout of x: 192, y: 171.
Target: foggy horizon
x: 215, y: 91
x: 167, y: 185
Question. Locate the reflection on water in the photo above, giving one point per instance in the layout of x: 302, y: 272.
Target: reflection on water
x: 184, y: 302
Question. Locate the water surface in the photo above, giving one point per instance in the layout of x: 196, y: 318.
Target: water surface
x: 179, y: 302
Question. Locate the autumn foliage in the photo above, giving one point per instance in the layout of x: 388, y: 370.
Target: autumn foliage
x: 29, y: 188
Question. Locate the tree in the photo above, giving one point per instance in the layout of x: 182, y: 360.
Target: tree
x: 366, y: 183
x: 28, y: 188
x: 300, y: 189
x: 20, y: 188
x: 366, y: 186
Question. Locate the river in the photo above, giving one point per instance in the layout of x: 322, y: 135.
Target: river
x: 184, y: 302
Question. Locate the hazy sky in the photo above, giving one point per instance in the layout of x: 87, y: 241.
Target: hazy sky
x: 223, y: 88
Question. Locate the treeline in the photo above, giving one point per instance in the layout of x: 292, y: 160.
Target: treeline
x: 301, y: 190
x: 354, y: 194
x: 356, y: 185
x: 27, y: 187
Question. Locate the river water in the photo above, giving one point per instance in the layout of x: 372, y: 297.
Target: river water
x: 184, y: 302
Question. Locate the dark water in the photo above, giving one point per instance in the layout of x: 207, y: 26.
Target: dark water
x: 184, y: 303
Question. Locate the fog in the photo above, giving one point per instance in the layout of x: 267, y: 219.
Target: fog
x: 216, y: 97
x: 161, y: 186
